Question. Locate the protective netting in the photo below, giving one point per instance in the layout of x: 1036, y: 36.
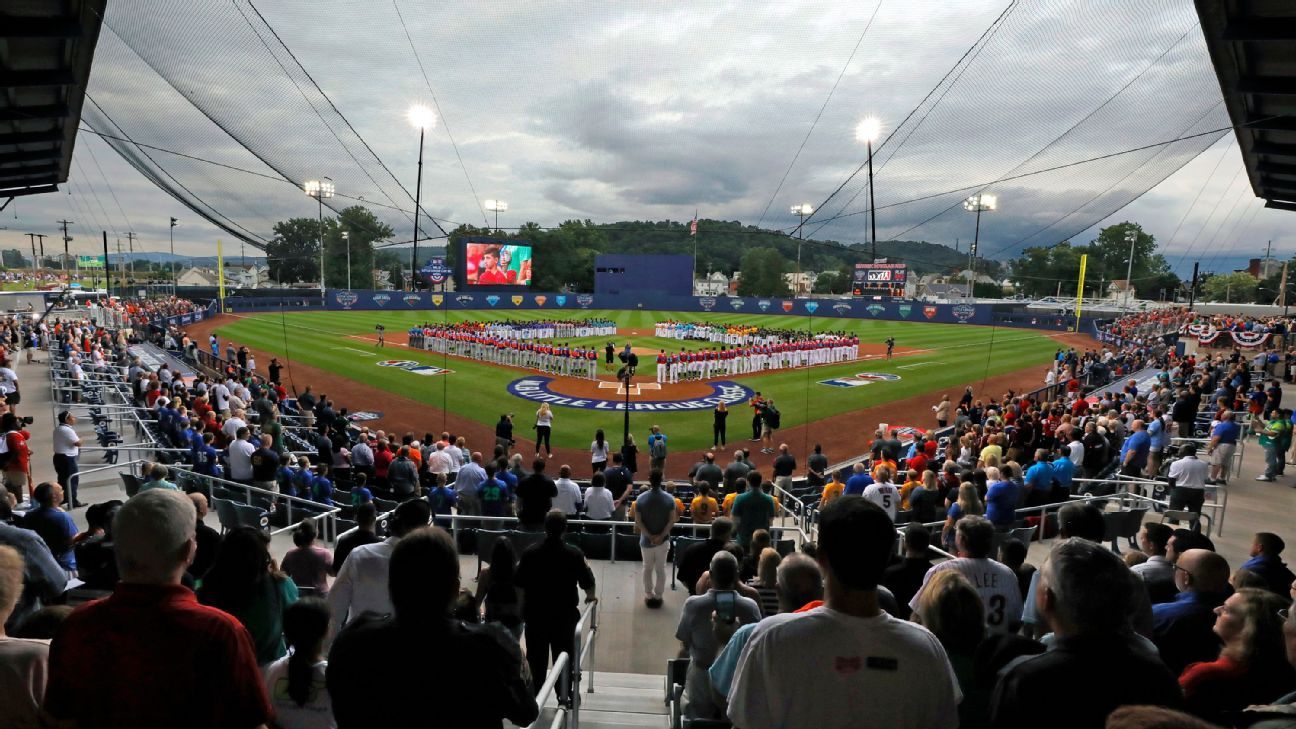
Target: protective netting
x: 640, y: 110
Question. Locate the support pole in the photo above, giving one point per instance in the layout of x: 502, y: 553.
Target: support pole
x: 220, y: 275
x: 1192, y: 290
x: 107, y: 268
x: 1084, y: 263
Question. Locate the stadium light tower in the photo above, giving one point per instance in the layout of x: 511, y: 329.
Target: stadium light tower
x: 1131, y: 236
x: 320, y: 189
x: 346, y: 239
x: 868, y: 131
x: 497, y: 206
x: 801, y: 211
x: 422, y: 118
x: 978, y: 203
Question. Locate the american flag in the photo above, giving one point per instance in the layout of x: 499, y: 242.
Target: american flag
x: 693, y: 227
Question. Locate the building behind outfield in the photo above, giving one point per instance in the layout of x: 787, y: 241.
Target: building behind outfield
x: 660, y: 274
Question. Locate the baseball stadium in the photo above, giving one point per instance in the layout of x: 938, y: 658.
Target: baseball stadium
x: 912, y: 365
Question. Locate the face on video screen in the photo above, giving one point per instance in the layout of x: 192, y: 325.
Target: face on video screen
x: 497, y: 264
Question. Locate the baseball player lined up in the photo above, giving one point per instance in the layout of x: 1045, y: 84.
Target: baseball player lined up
x: 684, y: 365
x: 551, y: 358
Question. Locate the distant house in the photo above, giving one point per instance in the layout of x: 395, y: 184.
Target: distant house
x: 713, y: 284
x: 247, y: 277
x: 196, y: 277
x: 801, y: 283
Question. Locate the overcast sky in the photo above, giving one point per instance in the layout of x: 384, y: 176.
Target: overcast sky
x: 637, y: 110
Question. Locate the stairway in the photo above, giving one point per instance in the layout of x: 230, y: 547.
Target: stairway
x: 619, y: 700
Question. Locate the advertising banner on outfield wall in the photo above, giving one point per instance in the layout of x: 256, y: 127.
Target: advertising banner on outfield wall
x: 819, y: 308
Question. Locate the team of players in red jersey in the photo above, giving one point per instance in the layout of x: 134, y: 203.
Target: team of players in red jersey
x: 728, y: 361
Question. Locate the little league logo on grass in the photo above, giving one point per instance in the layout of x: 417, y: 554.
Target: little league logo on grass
x: 364, y: 416
x: 414, y: 367
x: 860, y: 380
x: 539, y: 390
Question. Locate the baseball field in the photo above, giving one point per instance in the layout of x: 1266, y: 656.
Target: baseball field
x: 337, y: 353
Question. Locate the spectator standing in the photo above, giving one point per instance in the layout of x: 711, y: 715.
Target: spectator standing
x: 707, y: 470
x: 549, y: 574
x: 696, y: 632
x: 719, y: 425
x: 535, y: 495
x: 1003, y: 495
x: 735, y: 472
x: 239, y: 456
x: 1085, y: 596
x: 265, y: 465
x: 629, y: 456
x: 753, y: 509
x: 487, y: 684
x: 599, y: 451
x: 67, y: 448
x: 704, y: 508
x: 504, y: 432
x: 655, y: 514
x: 1134, y: 452
x: 109, y: 656
x: 1188, y: 479
x: 1223, y: 443
x: 598, y: 501
x: 618, y: 479
x: 362, y: 585
x: 657, y: 449
x: 16, y: 458
x: 568, y: 498
x: 995, y: 583
x: 886, y: 672
x: 308, y: 564
x: 905, y: 579
x: 245, y: 583
x: 784, y: 466
x: 1274, y: 439
x: 1266, y: 561
x: 771, y: 420
x: 296, y: 682
x: 208, y: 539
x: 366, y: 521
x: 466, y: 484
x: 25, y: 662
x: 402, y: 475
x: 817, y: 468
x: 883, y: 492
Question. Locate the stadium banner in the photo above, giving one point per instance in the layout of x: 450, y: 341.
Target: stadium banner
x: 983, y: 314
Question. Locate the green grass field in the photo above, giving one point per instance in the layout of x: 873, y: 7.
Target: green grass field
x: 958, y: 355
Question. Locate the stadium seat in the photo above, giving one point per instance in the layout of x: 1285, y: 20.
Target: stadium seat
x: 252, y: 516
x: 225, y: 513
x: 131, y: 482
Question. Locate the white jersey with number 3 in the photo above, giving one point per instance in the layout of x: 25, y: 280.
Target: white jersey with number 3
x: 884, y: 495
x: 995, y: 582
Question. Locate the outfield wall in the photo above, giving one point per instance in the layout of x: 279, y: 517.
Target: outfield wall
x: 963, y: 313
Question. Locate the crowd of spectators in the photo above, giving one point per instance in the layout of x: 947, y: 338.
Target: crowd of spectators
x: 844, y: 630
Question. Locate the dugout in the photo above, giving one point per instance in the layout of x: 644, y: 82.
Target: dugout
x: 656, y: 274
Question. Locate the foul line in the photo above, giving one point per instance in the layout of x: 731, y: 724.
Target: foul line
x: 357, y: 351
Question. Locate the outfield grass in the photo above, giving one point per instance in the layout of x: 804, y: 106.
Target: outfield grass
x: 959, y: 355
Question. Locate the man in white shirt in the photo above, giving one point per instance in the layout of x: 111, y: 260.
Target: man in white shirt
x: 1188, y: 480
x: 220, y: 399
x: 240, y: 457
x: 67, y: 446
x: 1077, y: 448
x: 232, y: 425
x: 883, y: 492
x: 599, y: 503
x: 361, y: 584
x: 569, y: 494
x: 847, y: 663
x: 995, y: 582
x: 438, y: 462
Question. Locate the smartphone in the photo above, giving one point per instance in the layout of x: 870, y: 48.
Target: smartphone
x: 726, y: 606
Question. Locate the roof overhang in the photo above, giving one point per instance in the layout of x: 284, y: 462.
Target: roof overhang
x: 46, y: 50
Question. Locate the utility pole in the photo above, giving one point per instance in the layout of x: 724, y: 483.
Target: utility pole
x: 107, y: 268
x: 40, y: 238
x: 173, y: 261
x: 130, y: 238
x: 1282, y: 290
x: 35, y: 263
x: 1192, y: 290
x: 1131, y: 235
x: 66, y: 239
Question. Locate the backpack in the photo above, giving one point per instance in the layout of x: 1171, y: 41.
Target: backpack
x: 773, y: 417
x: 658, y: 448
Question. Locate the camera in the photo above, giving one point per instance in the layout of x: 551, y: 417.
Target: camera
x: 27, y: 420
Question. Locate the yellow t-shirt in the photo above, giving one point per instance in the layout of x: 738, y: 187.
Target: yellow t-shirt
x: 727, y: 507
x: 994, y: 449
x: 904, y: 492
x: 704, y: 509
x: 831, y: 490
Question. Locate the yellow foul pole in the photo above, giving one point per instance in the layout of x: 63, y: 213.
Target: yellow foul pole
x: 1084, y: 262
x: 220, y: 275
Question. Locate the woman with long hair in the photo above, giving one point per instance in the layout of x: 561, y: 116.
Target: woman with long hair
x: 245, y: 582
x: 295, y: 682
x: 766, y: 581
x: 968, y: 503
x: 497, y: 590
x: 719, y: 419
x: 598, y: 452
x: 1252, y: 667
x: 543, y: 428
x: 951, y: 609
x: 630, y: 454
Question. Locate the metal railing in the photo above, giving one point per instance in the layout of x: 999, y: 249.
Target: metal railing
x: 565, y: 676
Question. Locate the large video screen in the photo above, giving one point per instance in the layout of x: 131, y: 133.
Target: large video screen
x: 879, y: 279
x: 497, y: 263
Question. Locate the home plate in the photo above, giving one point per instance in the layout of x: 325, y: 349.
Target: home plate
x: 634, y: 389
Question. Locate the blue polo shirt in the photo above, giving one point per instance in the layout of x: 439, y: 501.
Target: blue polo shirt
x: 1139, y: 442
x: 856, y: 484
x: 1064, y: 471
x: 1227, y: 432
x: 1184, y: 605
x: 1001, y: 503
x: 1040, y: 476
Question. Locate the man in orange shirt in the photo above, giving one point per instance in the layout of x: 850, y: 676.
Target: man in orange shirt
x: 704, y: 507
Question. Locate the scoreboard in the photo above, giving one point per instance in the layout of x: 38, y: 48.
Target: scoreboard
x: 879, y: 279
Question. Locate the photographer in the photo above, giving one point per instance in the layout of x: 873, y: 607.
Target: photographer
x: 15, y: 457
x: 67, y: 446
x: 504, y: 432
